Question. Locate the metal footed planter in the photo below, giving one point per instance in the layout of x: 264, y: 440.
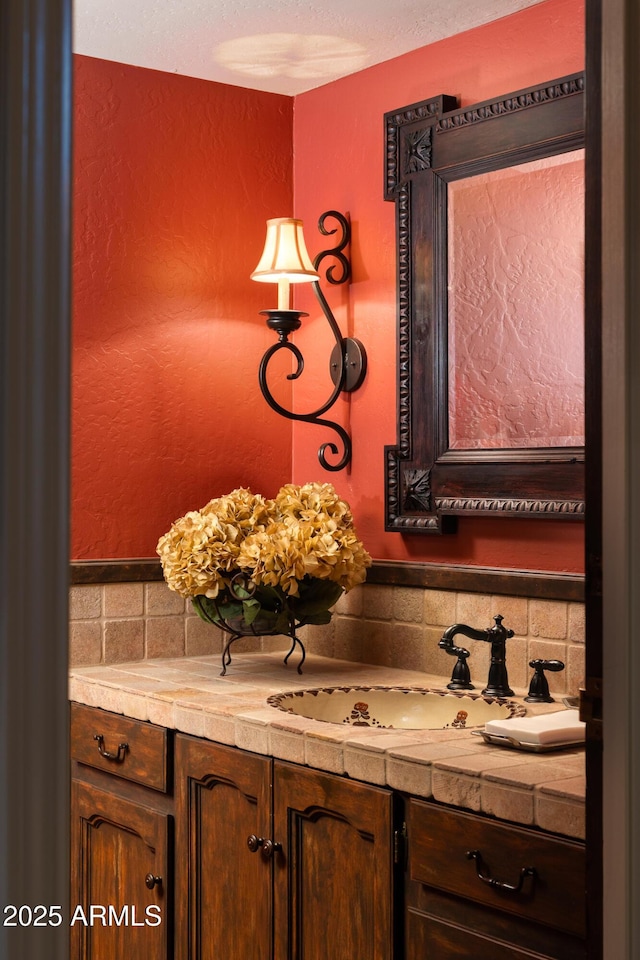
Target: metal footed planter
x: 260, y: 627
x: 238, y: 627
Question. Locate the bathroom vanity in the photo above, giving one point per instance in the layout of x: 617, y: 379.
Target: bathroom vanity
x: 230, y: 829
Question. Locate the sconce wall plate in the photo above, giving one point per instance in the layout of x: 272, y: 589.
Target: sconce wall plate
x: 352, y: 361
x: 348, y: 361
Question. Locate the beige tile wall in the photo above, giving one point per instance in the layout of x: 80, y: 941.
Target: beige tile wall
x: 116, y: 622
x: 389, y: 625
x: 401, y: 627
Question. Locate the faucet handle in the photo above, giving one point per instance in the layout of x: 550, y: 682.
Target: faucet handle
x: 539, y: 686
x: 460, y: 676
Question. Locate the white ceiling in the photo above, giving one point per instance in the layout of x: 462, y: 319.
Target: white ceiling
x: 283, y: 46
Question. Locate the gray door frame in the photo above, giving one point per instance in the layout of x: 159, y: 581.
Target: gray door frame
x: 35, y: 121
x: 621, y: 476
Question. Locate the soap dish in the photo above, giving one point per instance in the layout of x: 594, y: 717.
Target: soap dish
x: 501, y: 741
x: 571, y: 702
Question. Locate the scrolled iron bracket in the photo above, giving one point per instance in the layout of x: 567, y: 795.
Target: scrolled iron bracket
x: 348, y: 361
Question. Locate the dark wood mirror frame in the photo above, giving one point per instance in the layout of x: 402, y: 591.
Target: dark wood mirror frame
x: 429, y: 144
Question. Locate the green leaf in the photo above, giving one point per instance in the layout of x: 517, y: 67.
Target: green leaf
x: 230, y: 609
x: 270, y: 598
x: 316, y: 596
x: 250, y: 610
x: 241, y: 592
x: 319, y: 619
x: 282, y: 623
x: 216, y: 611
x: 204, y: 609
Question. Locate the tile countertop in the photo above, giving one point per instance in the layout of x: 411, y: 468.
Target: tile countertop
x: 188, y: 694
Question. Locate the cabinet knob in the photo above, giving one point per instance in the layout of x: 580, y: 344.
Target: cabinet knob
x: 266, y: 847
x: 151, y: 881
x: 269, y: 847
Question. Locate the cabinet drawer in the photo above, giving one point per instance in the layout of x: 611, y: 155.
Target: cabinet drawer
x: 432, y: 937
x: 439, y: 843
x: 131, y: 749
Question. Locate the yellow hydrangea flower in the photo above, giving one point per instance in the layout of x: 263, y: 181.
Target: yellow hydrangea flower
x: 306, y: 532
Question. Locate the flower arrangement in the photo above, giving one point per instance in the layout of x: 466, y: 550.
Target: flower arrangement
x: 273, y: 564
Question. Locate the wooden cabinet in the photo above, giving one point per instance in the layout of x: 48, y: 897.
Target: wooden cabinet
x: 279, y: 858
x: 242, y: 856
x: 272, y: 861
x: 334, y: 877
x: 223, y: 889
x: 120, y: 864
x: 120, y: 839
x: 480, y: 888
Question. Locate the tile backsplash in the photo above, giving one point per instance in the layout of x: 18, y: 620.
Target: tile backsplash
x: 395, y: 626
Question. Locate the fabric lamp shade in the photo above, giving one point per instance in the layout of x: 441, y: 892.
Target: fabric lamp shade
x: 285, y: 254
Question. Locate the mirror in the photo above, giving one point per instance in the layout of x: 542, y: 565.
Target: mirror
x: 516, y: 306
x: 490, y: 247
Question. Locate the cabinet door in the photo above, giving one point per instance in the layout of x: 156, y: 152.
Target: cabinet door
x: 119, y: 871
x: 333, y: 878
x: 223, y: 889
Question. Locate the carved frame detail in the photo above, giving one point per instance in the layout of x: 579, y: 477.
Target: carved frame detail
x: 427, y: 485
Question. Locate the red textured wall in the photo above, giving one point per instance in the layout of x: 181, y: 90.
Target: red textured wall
x: 339, y: 163
x: 174, y: 179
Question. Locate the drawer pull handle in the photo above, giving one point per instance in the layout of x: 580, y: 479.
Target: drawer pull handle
x: 117, y: 757
x: 266, y: 847
x: 499, y: 884
x: 151, y: 881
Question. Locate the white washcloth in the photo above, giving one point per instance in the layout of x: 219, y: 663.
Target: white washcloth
x: 561, y: 727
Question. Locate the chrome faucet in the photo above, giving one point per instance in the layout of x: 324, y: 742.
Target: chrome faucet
x: 497, y: 636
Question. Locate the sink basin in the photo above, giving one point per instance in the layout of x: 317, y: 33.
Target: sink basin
x: 406, y: 708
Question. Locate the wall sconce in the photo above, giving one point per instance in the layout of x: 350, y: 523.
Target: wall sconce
x: 285, y: 261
